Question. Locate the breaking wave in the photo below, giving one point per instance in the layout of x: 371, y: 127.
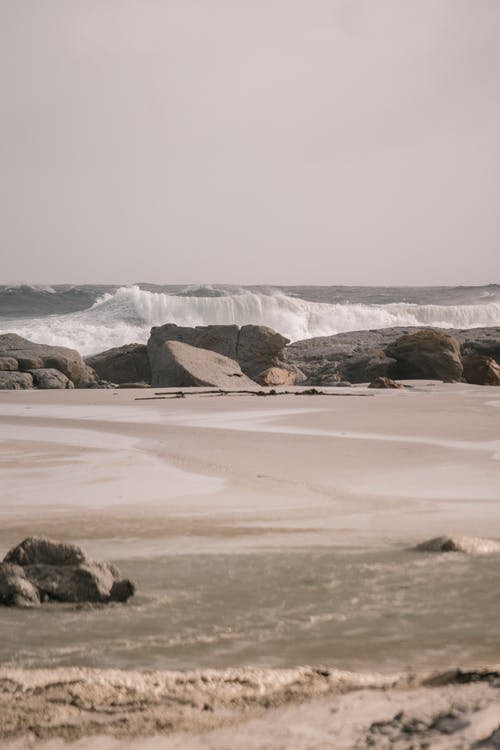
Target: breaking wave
x: 127, y: 314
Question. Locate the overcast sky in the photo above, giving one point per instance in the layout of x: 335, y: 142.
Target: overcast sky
x: 247, y: 141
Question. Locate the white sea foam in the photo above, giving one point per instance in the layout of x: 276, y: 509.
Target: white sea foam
x: 129, y: 313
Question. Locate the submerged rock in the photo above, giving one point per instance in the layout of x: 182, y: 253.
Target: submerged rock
x: 39, y: 570
x: 469, y: 545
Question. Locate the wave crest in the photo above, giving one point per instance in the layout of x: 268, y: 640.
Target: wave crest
x: 128, y: 314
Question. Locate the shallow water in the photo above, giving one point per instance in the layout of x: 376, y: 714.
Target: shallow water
x: 350, y: 608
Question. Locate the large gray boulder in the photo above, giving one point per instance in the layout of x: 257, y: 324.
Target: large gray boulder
x: 15, y: 381
x: 123, y: 364
x: 31, y: 356
x: 39, y: 570
x: 255, y: 348
x: 426, y: 354
x: 50, y: 378
x: 179, y: 365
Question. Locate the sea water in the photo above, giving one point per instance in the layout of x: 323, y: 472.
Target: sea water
x: 94, y: 318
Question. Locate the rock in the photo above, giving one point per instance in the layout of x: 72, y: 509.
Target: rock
x: 9, y: 363
x: 277, y: 376
x: 41, y: 570
x: 481, y: 370
x: 255, y: 348
x: 48, y: 377
x: 124, y: 364
x: 15, y: 381
x: 26, y: 364
x: 15, y: 589
x: 38, y: 356
x: 426, y: 354
x: 362, y: 368
x: 259, y: 348
x: 178, y: 365
x: 469, y: 545
x: 385, y: 383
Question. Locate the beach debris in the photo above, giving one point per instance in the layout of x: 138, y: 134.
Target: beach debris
x: 481, y: 370
x: 468, y: 545
x: 381, y: 382
x: 40, y: 570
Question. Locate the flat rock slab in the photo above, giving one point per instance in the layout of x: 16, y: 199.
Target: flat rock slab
x: 178, y: 365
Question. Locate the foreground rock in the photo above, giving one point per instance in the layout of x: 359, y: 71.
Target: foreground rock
x: 469, y: 545
x: 15, y: 381
x: 255, y: 348
x: 426, y: 354
x: 39, y: 570
x: 481, y: 370
x: 180, y: 365
x: 251, y: 709
x: 30, y: 356
x: 124, y: 364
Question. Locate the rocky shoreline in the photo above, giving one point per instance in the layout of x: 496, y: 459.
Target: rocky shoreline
x: 226, y: 356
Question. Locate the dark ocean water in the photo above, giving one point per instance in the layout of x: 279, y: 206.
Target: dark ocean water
x: 92, y: 318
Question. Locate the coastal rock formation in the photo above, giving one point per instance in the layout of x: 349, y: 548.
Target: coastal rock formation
x: 385, y: 383
x: 359, y: 356
x: 469, y: 545
x: 31, y: 356
x: 49, y: 377
x: 39, y: 570
x: 123, y: 364
x: 179, y: 365
x: 426, y: 354
x: 481, y: 370
x: 255, y: 348
x: 15, y: 381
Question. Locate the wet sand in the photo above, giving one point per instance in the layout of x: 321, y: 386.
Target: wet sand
x: 312, y: 496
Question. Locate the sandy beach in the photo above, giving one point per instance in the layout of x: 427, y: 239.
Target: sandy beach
x: 263, y: 533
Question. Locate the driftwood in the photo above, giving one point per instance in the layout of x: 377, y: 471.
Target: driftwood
x: 219, y: 392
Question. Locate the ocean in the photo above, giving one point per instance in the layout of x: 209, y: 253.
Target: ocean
x: 92, y: 318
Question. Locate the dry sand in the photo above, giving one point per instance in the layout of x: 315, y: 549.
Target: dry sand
x: 355, y: 468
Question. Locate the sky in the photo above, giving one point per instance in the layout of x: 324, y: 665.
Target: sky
x: 250, y: 141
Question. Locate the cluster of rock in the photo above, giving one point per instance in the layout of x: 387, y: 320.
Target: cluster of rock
x: 472, y: 355
x: 224, y: 356
x: 39, y: 570
x: 229, y: 357
x: 24, y: 364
